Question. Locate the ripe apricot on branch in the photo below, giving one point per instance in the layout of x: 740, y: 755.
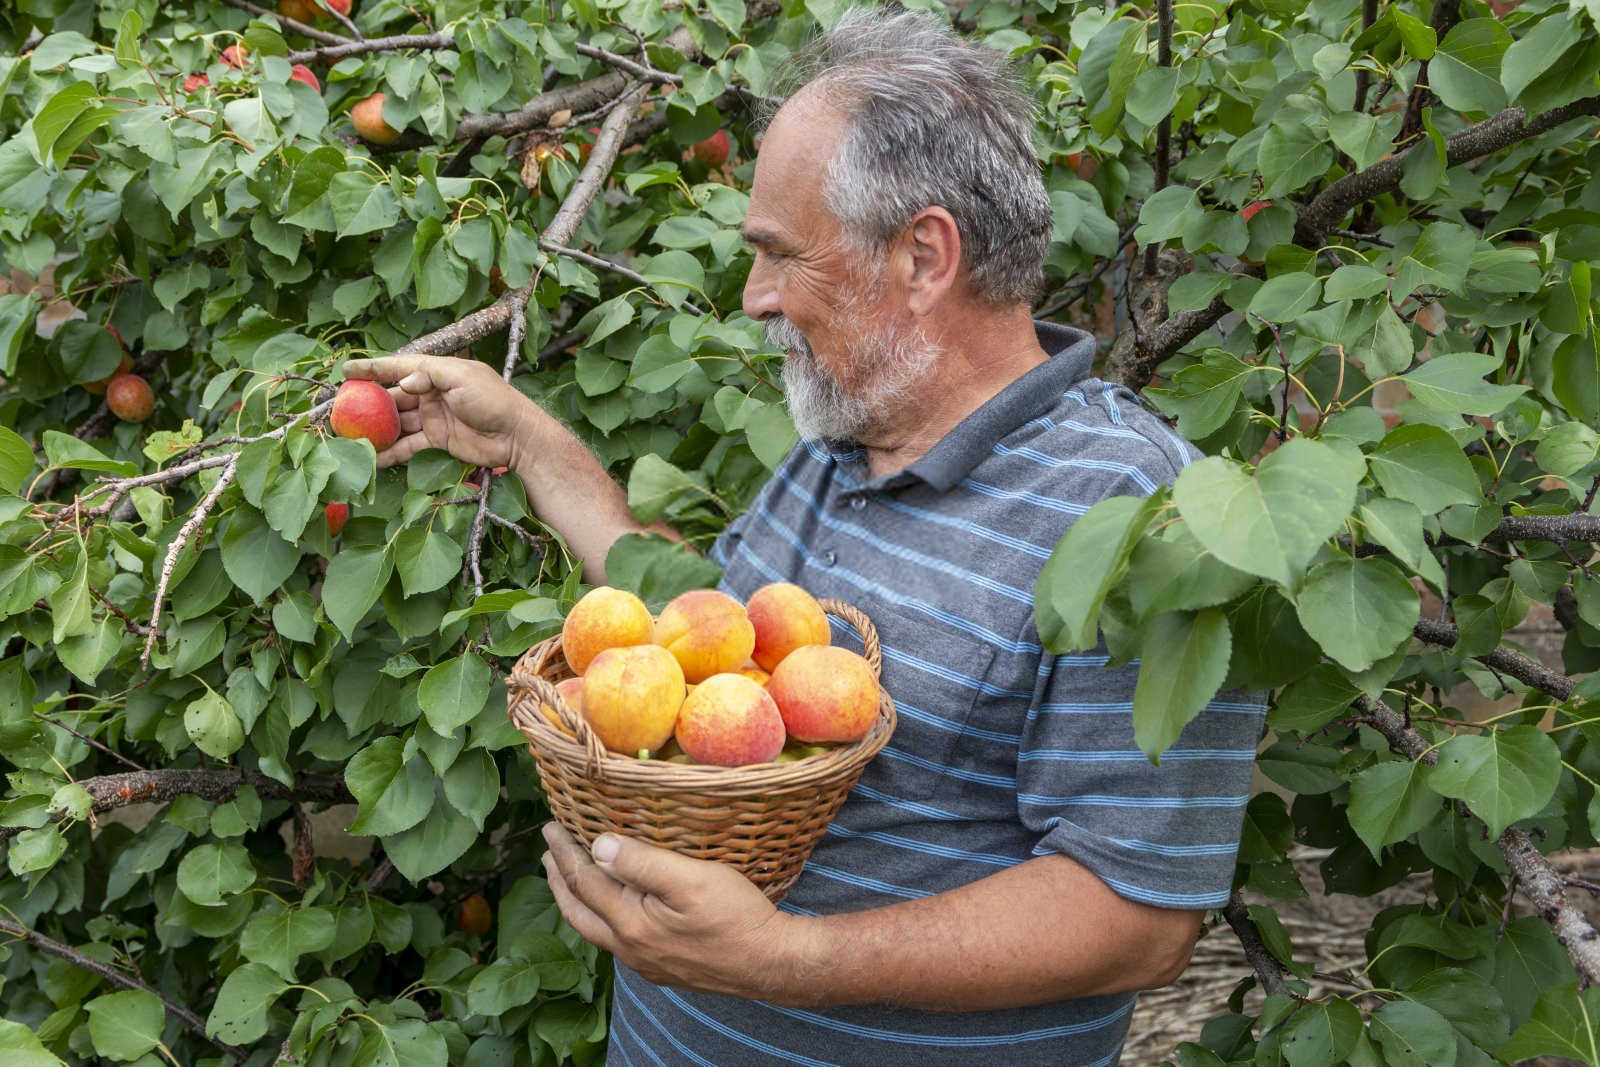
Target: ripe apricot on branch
x: 336, y: 514
x: 1249, y: 211
x: 474, y: 915
x: 713, y: 151
x: 195, y: 82
x: 236, y: 56
x: 365, y: 409
x: 130, y: 398
x: 367, y: 118
x: 302, y: 73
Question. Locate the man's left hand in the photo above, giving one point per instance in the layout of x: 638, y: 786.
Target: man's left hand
x: 676, y: 921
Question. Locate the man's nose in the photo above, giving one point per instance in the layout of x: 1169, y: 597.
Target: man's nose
x: 760, y: 294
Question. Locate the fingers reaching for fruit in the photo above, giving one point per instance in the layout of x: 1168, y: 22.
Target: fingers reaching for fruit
x: 459, y: 405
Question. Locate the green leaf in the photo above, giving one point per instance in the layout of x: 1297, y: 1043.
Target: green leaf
x: 503, y: 985
x: 1205, y: 395
x: 1176, y: 573
x: 426, y: 559
x: 210, y: 872
x: 1563, y: 1024
x: 278, y: 936
x: 403, y: 1043
x: 355, y: 578
x: 1468, y: 1000
x: 1320, y: 1034
x: 1292, y: 155
x: 1453, y: 384
x: 656, y: 568
x: 1389, y: 802
x: 22, y: 1048
x: 1535, y: 51
x: 361, y: 205
x: 1168, y: 214
x: 1313, y: 701
x: 1504, y: 775
x: 472, y: 785
x: 124, y: 1026
x: 655, y: 486
x: 239, y: 1015
x: 1286, y: 297
x: 256, y: 558
x: 1270, y: 524
x: 213, y: 726
x: 1465, y: 71
x: 393, y: 793
x: 1397, y: 526
x: 1414, y: 1035
x: 1440, y: 258
x: 35, y: 850
x: 1527, y: 959
x: 453, y: 692
x: 1358, y: 610
x: 1175, y: 685
x: 1089, y: 559
x: 434, y: 843
x: 64, y: 450
x: 1423, y: 464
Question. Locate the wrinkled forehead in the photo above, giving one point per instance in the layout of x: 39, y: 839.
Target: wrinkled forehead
x: 793, y: 161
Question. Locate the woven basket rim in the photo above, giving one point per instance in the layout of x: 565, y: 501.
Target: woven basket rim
x: 660, y: 777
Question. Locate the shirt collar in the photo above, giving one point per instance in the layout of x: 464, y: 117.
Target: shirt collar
x: 1071, y: 353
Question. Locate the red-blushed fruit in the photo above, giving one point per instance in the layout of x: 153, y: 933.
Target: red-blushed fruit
x: 713, y: 151
x: 730, y: 721
x: 302, y: 73
x: 236, y: 56
x: 341, y: 6
x: 195, y: 82
x: 603, y: 618
x: 707, y: 631
x: 631, y: 697
x: 337, y: 513
x: 474, y: 916
x: 1250, y: 210
x: 825, y: 693
x: 785, y: 617
x: 98, y: 388
x: 302, y: 11
x: 130, y: 398
x: 367, y: 118
x: 571, y: 691
x: 365, y: 409
x: 497, y: 282
x: 585, y: 147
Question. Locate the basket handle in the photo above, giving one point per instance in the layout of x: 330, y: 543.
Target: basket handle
x: 872, y: 648
x: 526, y: 711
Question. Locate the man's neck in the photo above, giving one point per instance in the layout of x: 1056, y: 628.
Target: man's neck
x: 981, y: 357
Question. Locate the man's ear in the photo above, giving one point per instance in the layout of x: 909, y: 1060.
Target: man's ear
x: 931, y: 249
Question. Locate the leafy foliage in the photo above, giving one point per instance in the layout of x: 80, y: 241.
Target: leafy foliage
x: 1416, y: 240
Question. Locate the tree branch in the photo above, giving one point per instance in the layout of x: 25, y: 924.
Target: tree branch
x: 110, y: 791
x: 332, y: 53
x: 607, y: 264
x: 195, y: 523
x: 1506, y: 660
x: 627, y: 66
x: 1164, y: 128
x: 118, y: 977
x: 1534, y: 874
x: 1269, y: 972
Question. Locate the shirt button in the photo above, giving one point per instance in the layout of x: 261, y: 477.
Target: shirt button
x: 828, y: 558
x: 857, y: 503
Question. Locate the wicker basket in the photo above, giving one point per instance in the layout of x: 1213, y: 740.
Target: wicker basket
x: 763, y: 819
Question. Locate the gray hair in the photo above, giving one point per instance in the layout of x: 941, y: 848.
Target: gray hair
x: 931, y: 119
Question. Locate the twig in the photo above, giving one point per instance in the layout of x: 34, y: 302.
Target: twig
x: 533, y: 539
x: 1269, y: 972
x: 1077, y: 292
x: 627, y: 66
x: 188, y: 530
x: 1369, y: 238
x: 1520, y: 667
x: 1369, y: 15
x: 1507, y: 908
x: 1164, y: 128
x: 606, y: 264
x: 344, y: 20
x: 288, y: 23
x: 90, y: 741
x: 118, y: 977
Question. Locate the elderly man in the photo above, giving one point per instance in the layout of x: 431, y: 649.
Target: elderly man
x: 1010, y: 870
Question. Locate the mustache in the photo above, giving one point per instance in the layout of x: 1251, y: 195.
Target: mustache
x: 785, y: 335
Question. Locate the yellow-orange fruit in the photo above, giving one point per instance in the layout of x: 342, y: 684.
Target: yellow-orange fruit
x: 825, y: 693
x: 604, y: 618
x: 756, y: 675
x: 730, y: 721
x: 130, y: 398
x: 570, y: 690
x: 707, y: 631
x: 785, y: 618
x: 367, y: 118
x: 474, y: 916
x: 631, y: 697
x: 303, y: 11
x: 363, y: 408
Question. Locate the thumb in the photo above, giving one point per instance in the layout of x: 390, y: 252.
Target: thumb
x: 649, y: 869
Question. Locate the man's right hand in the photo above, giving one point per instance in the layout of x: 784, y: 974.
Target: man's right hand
x: 459, y: 405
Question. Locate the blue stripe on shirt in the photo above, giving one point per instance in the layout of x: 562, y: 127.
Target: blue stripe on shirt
x: 1106, y: 800
x: 956, y: 1040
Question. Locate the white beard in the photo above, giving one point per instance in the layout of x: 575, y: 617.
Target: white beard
x: 892, y: 362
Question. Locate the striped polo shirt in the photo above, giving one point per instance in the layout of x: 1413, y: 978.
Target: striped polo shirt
x: 1003, y: 751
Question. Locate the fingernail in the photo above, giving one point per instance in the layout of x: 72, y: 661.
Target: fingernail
x: 606, y: 847
x: 410, y: 381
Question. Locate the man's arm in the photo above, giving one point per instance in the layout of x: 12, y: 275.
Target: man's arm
x: 1044, y: 930
x: 465, y: 408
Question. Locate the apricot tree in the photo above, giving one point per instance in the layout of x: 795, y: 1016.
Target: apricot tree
x: 1348, y: 249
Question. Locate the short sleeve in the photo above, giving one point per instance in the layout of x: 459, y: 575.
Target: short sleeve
x: 1165, y: 834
